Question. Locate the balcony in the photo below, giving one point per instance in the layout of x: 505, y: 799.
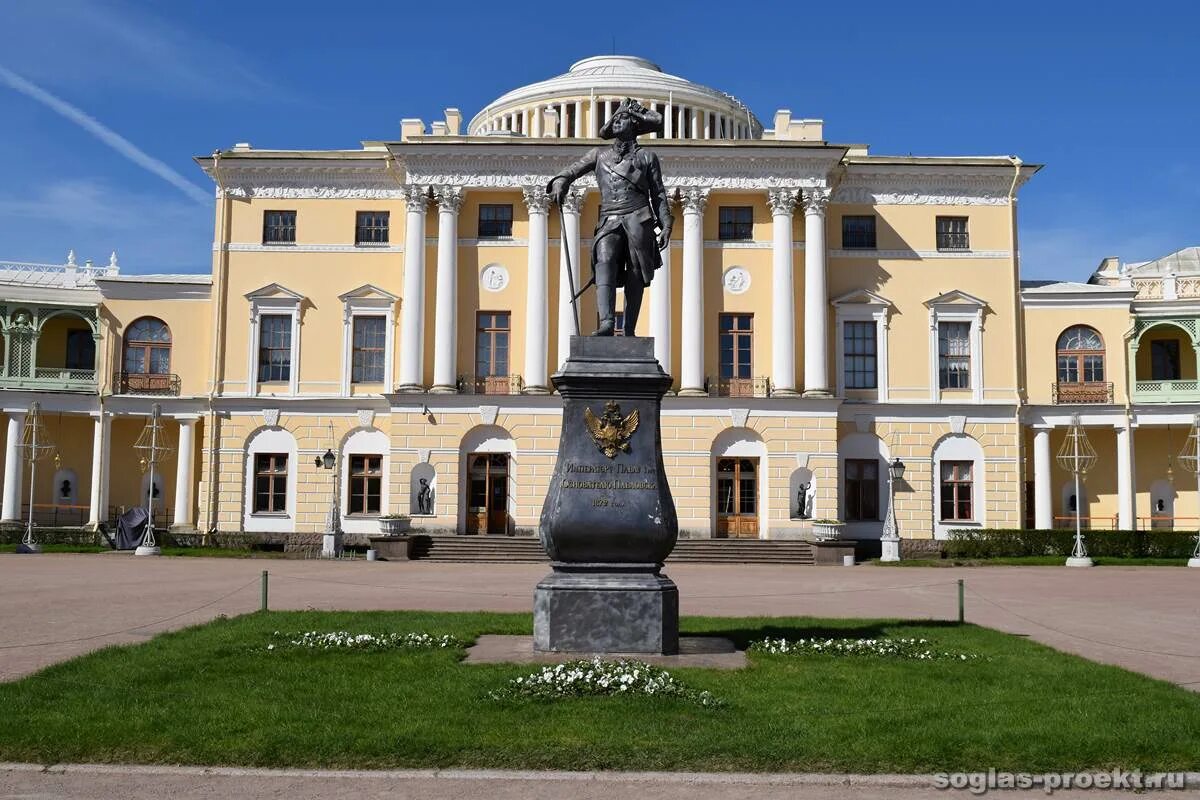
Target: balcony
x: 739, y: 387
x: 146, y: 383
x: 1182, y: 391
x: 1076, y: 393
x: 490, y: 384
x: 53, y: 379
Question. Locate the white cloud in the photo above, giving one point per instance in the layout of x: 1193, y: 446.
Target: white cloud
x: 105, y: 134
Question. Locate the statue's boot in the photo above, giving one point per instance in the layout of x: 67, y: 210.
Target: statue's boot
x: 606, y: 300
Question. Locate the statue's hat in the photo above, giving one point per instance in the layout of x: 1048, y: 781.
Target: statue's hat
x: 645, y: 120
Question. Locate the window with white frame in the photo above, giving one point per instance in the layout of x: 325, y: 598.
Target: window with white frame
x: 956, y: 345
x: 954, y: 355
x: 368, y: 349
x: 368, y: 316
x: 859, y: 354
x: 862, y: 344
x: 274, y: 339
x: 275, y: 348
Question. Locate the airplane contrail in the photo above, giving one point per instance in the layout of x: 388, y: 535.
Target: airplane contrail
x: 105, y: 134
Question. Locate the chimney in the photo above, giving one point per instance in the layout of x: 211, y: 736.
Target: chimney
x: 453, y: 121
x: 411, y: 127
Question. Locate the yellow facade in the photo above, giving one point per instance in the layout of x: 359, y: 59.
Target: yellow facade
x: 965, y: 371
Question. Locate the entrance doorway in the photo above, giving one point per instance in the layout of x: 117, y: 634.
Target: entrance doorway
x: 737, y: 498
x: 487, y: 498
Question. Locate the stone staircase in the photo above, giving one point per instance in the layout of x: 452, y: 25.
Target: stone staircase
x: 524, y: 549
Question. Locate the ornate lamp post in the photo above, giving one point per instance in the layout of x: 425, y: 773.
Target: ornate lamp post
x: 1078, y: 457
x: 153, y: 445
x: 1189, y: 457
x: 36, y: 446
x: 891, y: 530
x: 331, y: 544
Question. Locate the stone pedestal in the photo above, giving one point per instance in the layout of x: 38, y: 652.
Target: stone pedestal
x: 609, y: 521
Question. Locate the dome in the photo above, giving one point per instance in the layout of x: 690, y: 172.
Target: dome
x: 576, y: 103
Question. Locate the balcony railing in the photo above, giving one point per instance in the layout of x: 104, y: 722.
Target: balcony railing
x: 52, y: 378
x: 739, y: 387
x: 1166, y: 391
x: 145, y: 383
x: 1089, y: 392
x: 490, y: 384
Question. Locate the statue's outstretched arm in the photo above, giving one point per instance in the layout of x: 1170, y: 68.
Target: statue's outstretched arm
x: 561, y: 182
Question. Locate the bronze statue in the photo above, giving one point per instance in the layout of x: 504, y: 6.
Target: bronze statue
x: 633, y: 201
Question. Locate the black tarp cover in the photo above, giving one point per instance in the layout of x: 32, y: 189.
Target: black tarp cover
x: 131, y: 527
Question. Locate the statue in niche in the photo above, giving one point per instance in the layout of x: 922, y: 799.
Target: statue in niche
x: 633, y: 201
x: 64, y: 490
x: 425, y: 497
x: 804, y: 500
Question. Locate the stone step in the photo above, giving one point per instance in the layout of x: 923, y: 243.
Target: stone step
x: 507, y: 549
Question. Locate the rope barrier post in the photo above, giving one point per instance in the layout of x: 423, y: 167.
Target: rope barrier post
x: 961, y: 610
x: 263, y: 604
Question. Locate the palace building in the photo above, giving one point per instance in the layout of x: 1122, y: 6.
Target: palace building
x: 824, y: 310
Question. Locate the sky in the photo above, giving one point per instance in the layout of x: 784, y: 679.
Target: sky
x: 104, y: 103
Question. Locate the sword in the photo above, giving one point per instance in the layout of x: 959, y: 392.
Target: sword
x: 562, y: 227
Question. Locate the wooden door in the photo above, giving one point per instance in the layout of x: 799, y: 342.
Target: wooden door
x: 737, y: 498
x: 487, y: 493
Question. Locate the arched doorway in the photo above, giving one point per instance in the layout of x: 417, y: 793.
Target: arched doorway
x: 737, y: 498
x: 487, y: 493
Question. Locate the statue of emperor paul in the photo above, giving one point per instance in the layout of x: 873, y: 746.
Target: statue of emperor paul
x: 633, y: 202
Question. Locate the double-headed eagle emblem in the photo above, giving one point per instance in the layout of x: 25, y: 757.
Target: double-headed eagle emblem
x: 611, y: 430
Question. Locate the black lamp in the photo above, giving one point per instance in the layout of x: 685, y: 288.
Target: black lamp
x: 325, y: 461
x: 896, y: 469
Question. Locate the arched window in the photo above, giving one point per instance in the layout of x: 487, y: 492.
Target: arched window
x: 1080, y: 355
x: 148, y: 347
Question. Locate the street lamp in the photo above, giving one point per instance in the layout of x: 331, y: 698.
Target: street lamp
x: 890, y: 540
x: 1189, y: 457
x: 331, y: 542
x: 154, y: 445
x: 36, y: 445
x: 1077, y: 457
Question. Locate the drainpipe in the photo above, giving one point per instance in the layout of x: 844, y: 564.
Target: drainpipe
x: 218, y: 358
x: 1019, y: 328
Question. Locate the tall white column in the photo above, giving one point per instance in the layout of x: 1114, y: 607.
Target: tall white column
x: 783, y: 293
x: 14, y: 467
x: 578, y: 132
x: 445, y: 341
x: 569, y: 239
x: 412, y: 310
x: 816, y: 296
x: 185, y: 475
x: 669, y: 121
x: 1126, y: 507
x: 660, y: 310
x: 593, y: 121
x: 1043, y: 510
x: 536, y: 317
x: 707, y: 124
x: 691, y: 368
x: 695, y: 126
x: 101, y: 432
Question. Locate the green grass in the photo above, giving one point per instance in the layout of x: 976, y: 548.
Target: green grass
x: 212, y: 694
x: 1031, y: 561
x: 190, y: 552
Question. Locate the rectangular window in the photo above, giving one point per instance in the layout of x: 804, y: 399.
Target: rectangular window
x: 495, y: 220
x: 735, y: 222
x: 274, y: 348
x: 954, y: 355
x: 491, y: 344
x: 735, y: 343
x: 859, y: 355
x: 279, y: 227
x: 862, y: 489
x: 952, y: 233
x: 366, y: 484
x: 371, y: 227
x: 956, y: 490
x: 858, y: 232
x: 1164, y: 359
x: 270, y: 483
x: 368, y: 350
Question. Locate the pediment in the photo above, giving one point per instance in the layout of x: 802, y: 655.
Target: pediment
x: 862, y: 297
x: 368, y: 291
x: 956, y: 297
x: 274, y: 291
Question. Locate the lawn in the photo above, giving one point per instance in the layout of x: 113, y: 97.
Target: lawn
x: 214, y: 694
x: 202, y: 552
x: 1031, y: 561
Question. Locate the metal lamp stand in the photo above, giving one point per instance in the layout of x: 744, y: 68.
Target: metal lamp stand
x: 1190, y: 458
x: 154, y: 446
x: 37, y: 446
x: 1078, y: 457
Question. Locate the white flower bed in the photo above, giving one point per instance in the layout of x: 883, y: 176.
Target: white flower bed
x: 598, y: 678
x: 344, y: 640
x: 916, y: 649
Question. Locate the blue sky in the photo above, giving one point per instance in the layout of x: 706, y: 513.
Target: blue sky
x: 1105, y: 94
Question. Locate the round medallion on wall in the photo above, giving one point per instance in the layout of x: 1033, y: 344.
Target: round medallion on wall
x: 737, y: 280
x: 493, y: 278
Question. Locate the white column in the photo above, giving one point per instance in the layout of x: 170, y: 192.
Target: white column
x: 185, y: 475
x: 525, y: 128
x: 569, y: 239
x: 695, y: 127
x: 412, y: 310
x: 578, y: 132
x: 101, y: 430
x: 1126, y: 508
x: 593, y: 122
x: 816, y: 296
x: 783, y: 293
x: 1043, y: 510
x: 691, y: 368
x: 14, y: 467
x: 445, y: 341
x: 660, y: 310
x: 536, y: 322
x: 538, y: 128
x: 669, y: 121
x: 707, y: 124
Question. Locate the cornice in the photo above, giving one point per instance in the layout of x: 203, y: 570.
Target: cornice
x: 296, y: 179
x: 928, y: 184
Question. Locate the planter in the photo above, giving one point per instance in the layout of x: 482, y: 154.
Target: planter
x: 827, y: 531
x: 394, y: 526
